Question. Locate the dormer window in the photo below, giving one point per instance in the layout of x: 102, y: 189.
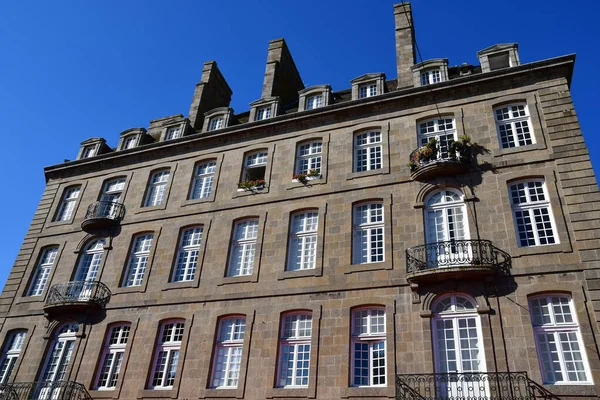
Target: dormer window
x: 430, y: 77
x: 92, y: 147
x: 173, y: 133
x: 215, y: 123
x: 314, y: 102
x: 263, y: 113
x: 314, y: 97
x: 129, y: 142
x: 88, y: 151
x: 367, y: 90
x: 499, y: 56
x: 132, y: 138
x: 499, y: 61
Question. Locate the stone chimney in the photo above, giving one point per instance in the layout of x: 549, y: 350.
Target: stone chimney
x: 405, y: 48
x: 282, y: 79
x: 212, y: 92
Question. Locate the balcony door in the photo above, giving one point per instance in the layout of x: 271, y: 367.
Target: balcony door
x: 57, y: 362
x: 87, y: 271
x: 111, y: 197
x: 445, y: 226
x: 442, y: 130
x: 458, y: 349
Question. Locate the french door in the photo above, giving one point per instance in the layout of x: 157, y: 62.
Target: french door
x: 111, y: 197
x: 87, y: 270
x: 57, y: 362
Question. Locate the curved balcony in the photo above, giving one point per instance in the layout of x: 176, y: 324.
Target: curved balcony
x: 437, y: 165
x: 77, y: 296
x: 63, y: 390
x: 102, y: 215
x: 464, y: 259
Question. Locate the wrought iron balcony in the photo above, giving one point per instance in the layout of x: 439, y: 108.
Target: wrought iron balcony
x: 470, y: 386
x: 102, y: 214
x: 60, y: 390
x: 455, y: 258
x: 437, y: 165
x: 77, y: 295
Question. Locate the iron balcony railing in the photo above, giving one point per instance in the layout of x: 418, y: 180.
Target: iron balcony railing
x: 417, y: 162
x: 105, y: 210
x: 456, y: 253
x: 470, y: 386
x: 78, y: 292
x: 60, y: 390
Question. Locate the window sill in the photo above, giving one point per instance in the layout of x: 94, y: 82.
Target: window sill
x: 520, y: 149
x: 157, y: 394
x: 236, y: 393
x: 250, y: 192
x: 295, y: 392
x: 228, y: 280
x: 376, y: 266
x: 193, y: 202
x: 302, y: 273
x: 129, y: 289
x: 30, y: 299
x: 180, y: 285
x: 516, y: 252
x: 145, y: 209
x: 311, y: 181
x: 373, y: 172
x: 366, y: 392
x: 59, y: 223
x: 104, y: 394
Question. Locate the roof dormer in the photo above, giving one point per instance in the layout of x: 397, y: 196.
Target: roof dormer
x: 93, y: 147
x: 430, y: 71
x: 314, y: 97
x: 499, y: 56
x: 368, y: 85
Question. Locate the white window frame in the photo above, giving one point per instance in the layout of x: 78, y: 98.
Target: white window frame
x: 90, y: 261
x: 263, y: 113
x: 314, y: 101
x: 371, y: 337
x: 204, y: 176
x: 229, y: 348
x: 557, y: 328
x: 438, y: 129
x: 188, y: 254
x: 243, y: 242
x: 255, y: 159
x: 309, y: 156
x: 59, y: 356
x: 511, y: 121
x: 42, y: 271
x: 216, y: 122
x: 67, y: 204
x: 174, y: 132
x: 10, y: 353
x: 302, y: 253
x: 362, y: 249
x: 112, y: 357
x: 529, y: 208
x: 368, y: 146
x: 137, y: 262
x: 296, y: 334
x: 367, y: 90
x: 169, y: 343
x: 431, y: 76
x: 157, y: 188
x: 88, y: 151
x: 130, y: 142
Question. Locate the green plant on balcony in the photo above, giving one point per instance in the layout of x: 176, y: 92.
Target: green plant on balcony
x: 251, y: 184
x: 301, y: 177
x: 461, y: 149
x: 424, y: 154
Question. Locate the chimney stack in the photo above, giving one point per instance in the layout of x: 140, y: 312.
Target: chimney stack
x: 405, y: 49
x: 282, y: 78
x: 212, y: 92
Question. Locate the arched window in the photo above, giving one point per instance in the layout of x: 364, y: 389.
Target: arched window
x: 67, y: 203
x: 368, y: 347
x: 187, y: 254
x: 294, y: 349
x: 367, y: 231
x: 166, y: 356
x: 204, y: 175
x: 243, y: 248
x: 303, y: 240
x: 458, y: 345
x: 228, y: 352
x: 113, y: 353
x: 42, y: 271
x: 443, y: 130
x: 90, y: 261
x: 59, y: 356
x: 10, y: 353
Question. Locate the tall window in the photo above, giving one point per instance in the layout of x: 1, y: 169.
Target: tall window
x: 255, y: 166
x: 215, y: 123
x: 430, y: 77
x: 187, y: 255
x: 204, y: 175
x: 173, y: 133
x: 42, y: 271
x: 10, y: 353
x: 67, y: 203
x: 228, y: 353
x: 138, y: 260
x: 263, y: 113
x: 59, y: 356
x: 368, y: 347
x: 164, y: 367
x: 155, y: 193
x: 294, y: 350
x: 368, y: 233
x: 303, y: 241
x: 112, y: 190
x: 243, y: 248
x: 90, y: 261
x: 514, y: 125
x: 129, y: 142
x: 112, y: 356
x: 314, y: 102
x: 367, y: 90
x: 308, y: 157
x: 533, y: 218
x: 558, y: 340
x: 367, y: 151
x: 442, y: 130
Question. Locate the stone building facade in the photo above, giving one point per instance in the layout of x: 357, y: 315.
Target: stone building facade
x: 291, y: 252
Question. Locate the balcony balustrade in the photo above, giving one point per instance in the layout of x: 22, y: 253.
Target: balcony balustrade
x: 102, y: 215
x: 437, y: 164
x: 77, y: 295
x: 59, y: 390
x: 471, y: 259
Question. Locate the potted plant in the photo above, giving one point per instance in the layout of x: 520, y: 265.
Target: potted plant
x: 252, y: 184
x: 301, y: 177
x: 424, y: 154
x: 313, y: 173
x: 461, y: 149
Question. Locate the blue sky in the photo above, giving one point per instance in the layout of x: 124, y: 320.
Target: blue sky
x: 72, y: 70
